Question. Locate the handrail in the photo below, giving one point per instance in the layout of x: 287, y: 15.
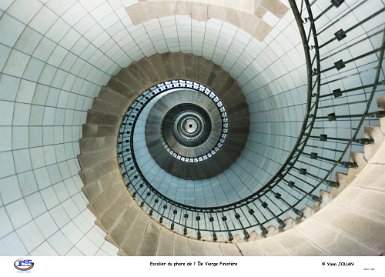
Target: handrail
x: 297, y: 166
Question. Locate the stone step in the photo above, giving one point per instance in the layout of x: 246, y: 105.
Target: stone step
x: 326, y: 197
x: 94, y: 130
x: 212, y: 249
x: 92, y: 174
x: 381, y: 107
x: 123, y: 88
x: 101, y: 118
x: 361, y: 228
x: 111, y: 96
x: 150, y: 239
x: 375, y: 133
x: 180, y: 246
x: 91, y: 144
x: 104, y: 200
x: 381, y: 102
x: 229, y: 249
x: 271, y: 230
x: 307, y: 211
x: 289, y: 223
x: 109, y: 216
x: 195, y: 247
x: 165, y: 243
x: 94, y: 189
x: 92, y: 159
x: 118, y: 230
x: 134, y: 236
x: 102, y: 106
x: 379, y: 157
x: 360, y: 160
x: 332, y: 240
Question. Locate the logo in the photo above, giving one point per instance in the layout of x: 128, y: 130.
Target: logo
x: 23, y: 264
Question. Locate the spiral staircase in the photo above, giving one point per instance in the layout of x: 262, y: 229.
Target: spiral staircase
x: 291, y: 168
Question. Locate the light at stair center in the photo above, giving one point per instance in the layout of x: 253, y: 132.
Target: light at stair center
x: 191, y: 125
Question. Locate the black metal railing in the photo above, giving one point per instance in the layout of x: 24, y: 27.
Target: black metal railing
x: 332, y: 128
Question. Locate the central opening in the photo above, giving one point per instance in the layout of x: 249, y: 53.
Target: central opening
x: 188, y: 123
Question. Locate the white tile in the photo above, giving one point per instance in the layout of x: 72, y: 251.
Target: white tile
x: 9, y: 189
x: 10, y: 30
x: 87, y: 247
x: 60, y: 243
x: 58, y: 30
x: 4, y: 53
x: 37, y: 157
x: 72, y: 232
x: 70, y: 208
x: 82, y: 26
x: 54, y: 173
x: 28, y: 41
x: 26, y: 91
x: 49, y: 154
x: 36, y: 136
x: 41, y: 176
x: 24, y: 10
x: 49, y: 197
x: 6, y: 139
x: 7, y: 167
x: 4, y: 4
x: 101, y: 253
x: 5, y: 226
x: 74, y: 14
x: 59, y: 216
x: 61, y: 191
x: 68, y: 41
x: 71, y: 187
x: 19, y: 137
x: 84, y: 223
x: 21, y: 114
x: 18, y: 213
x: 59, y: 6
x: 90, y: 4
x: 16, y: 64
x: 37, y: 116
x: 64, y: 170
x: 46, y: 225
x: 48, y: 138
x: 110, y: 248
x: 97, y: 236
x: 57, y: 56
x: 43, y: 20
x: 44, y: 250
x: 44, y: 49
x: 33, y: 70
x: 8, y: 87
x: 49, y: 116
x: 12, y: 246
x: 35, y: 204
x: 6, y: 109
x: 30, y: 236
x: 102, y: 11
x: 74, y: 252
x: 80, y: 201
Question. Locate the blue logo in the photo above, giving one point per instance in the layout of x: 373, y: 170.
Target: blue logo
x: 23, y: 264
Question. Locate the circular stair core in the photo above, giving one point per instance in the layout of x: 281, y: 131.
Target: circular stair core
x: 186, y: 130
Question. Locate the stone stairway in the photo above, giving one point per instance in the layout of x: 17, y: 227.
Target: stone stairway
x: 348, y: 221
